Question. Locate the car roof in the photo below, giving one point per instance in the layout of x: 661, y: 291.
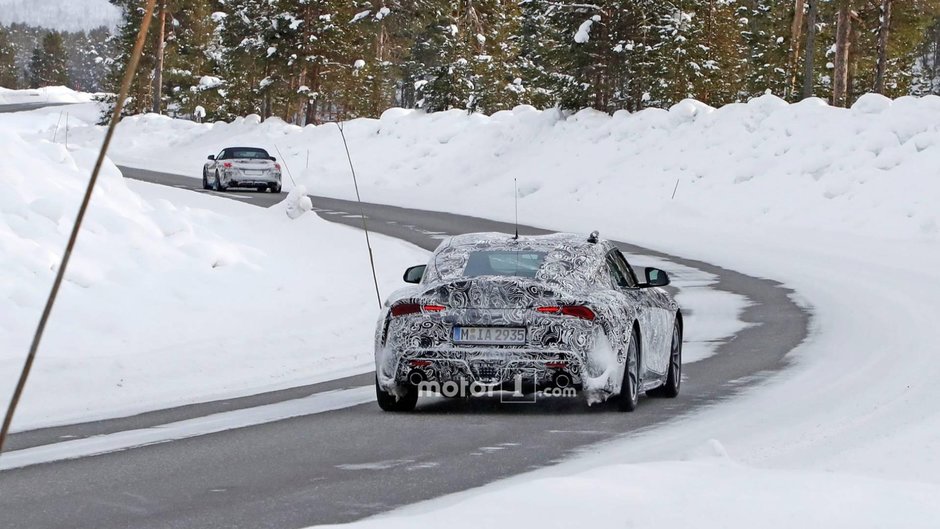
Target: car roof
x: 245, y: 149
x: 568, y: 252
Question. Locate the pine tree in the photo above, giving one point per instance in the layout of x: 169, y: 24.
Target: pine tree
x: 190, y: 61
x: 9, y: 75
x: 141, y: 91
x: 767, y: 36
x: 49, y: 64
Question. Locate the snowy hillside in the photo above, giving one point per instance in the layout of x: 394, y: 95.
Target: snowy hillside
x: 838, y: 204
x: 63, y: 15
x: 171, y: 297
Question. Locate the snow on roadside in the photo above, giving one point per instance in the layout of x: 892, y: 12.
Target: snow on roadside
x: 708, y: 493
x: 172, y: 297
x: 47, y: 94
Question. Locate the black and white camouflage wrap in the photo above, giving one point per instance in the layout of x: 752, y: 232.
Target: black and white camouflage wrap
x: 574, y: 272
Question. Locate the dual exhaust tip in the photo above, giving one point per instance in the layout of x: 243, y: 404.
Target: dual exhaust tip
x: 561, y: 378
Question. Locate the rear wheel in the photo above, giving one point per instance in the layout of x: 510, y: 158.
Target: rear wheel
x: 219, y: 186
x: 670, y: 389
x: 389, y: 402
x: 629, y: 390
x: 275, y: 189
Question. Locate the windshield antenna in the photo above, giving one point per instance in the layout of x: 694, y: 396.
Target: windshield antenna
x: 515, y: 182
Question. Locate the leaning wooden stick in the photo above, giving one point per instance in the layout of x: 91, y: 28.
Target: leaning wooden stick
x: 60, y: 274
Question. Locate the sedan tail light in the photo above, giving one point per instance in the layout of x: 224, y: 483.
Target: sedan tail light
x: 227, y: 164
x: 401, y: 309
x: 578, y: 311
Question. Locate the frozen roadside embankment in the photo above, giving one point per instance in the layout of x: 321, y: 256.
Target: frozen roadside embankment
x: 172, y: 297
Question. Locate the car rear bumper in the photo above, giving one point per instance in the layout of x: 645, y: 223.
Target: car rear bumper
x: 498, y: 368
x: 239, y: 179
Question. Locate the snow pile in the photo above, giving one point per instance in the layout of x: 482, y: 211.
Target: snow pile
x: 48, y: 94
x: 808, y: 165
x: 171, y: 297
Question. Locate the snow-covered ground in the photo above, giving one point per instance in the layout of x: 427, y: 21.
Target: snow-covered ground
x: 840, y: 205
x: 172, y: 297
x: 47, y: 94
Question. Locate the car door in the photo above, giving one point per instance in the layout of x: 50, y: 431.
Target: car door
x: 650, y: 314
x: 625, y: 285
x: 217, y: 162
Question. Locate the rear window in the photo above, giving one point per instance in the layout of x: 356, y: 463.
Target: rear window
x: 248, y: 153
x: 504, y: 263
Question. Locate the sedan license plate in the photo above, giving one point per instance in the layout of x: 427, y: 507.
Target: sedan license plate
x: 489, y: 335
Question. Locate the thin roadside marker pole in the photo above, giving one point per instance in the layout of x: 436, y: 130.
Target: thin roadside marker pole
x: 362, y: 215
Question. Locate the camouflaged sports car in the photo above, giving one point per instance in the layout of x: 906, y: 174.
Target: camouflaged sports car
x: 500, y: 313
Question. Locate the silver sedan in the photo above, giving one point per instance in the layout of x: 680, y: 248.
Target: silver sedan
x: 242, y: 167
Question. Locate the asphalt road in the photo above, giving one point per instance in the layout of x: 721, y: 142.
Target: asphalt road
x: 24, y: 107
x: 354, y: 462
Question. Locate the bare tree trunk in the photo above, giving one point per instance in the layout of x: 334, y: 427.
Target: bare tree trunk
x: 809, y: 64
x: 883, y: 30
x: 161, y: 52
x: 796, y: 34
x: 841, y: 71
x: 852, y: 61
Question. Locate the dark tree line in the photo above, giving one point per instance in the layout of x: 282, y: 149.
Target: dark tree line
x: 31, y: 57
x: 310, y: 61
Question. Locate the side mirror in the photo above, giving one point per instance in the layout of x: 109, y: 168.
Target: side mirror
x: 212, y: 157
x: 414, y: 274
x: 273, y: 159
x: 656, y: 277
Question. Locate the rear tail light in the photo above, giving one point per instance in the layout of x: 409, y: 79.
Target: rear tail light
x: 578, y: 311
x: 401, y: 309
x: 277, y: 166
x: 227, y: 164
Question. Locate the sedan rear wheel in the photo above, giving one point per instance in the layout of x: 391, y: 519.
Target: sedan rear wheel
x: 670, y: 389
x: 630, y: 388
x: 389, y: 402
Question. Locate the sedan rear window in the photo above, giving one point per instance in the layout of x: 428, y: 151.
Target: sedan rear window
x: 504, y: 263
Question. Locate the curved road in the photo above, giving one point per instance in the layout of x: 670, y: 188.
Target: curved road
x: 357, y: 461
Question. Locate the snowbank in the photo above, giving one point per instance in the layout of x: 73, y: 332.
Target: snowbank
x: 48, y: 94
x: 705, y: 494
x: 807, y: 165
x: 172, y: 297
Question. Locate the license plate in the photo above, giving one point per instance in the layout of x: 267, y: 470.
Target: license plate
x: 490, y: 335
x: 253, y: 172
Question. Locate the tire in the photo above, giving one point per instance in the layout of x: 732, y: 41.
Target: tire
x: 205, y: 179
x: 670, y: 388
x: 389, y: 402
x: 629, y: 389
x: 218, y: 183
x: 275, y: 189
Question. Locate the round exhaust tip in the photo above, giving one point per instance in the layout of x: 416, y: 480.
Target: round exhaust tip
x: 562, y: 380
x: 416, y: 377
